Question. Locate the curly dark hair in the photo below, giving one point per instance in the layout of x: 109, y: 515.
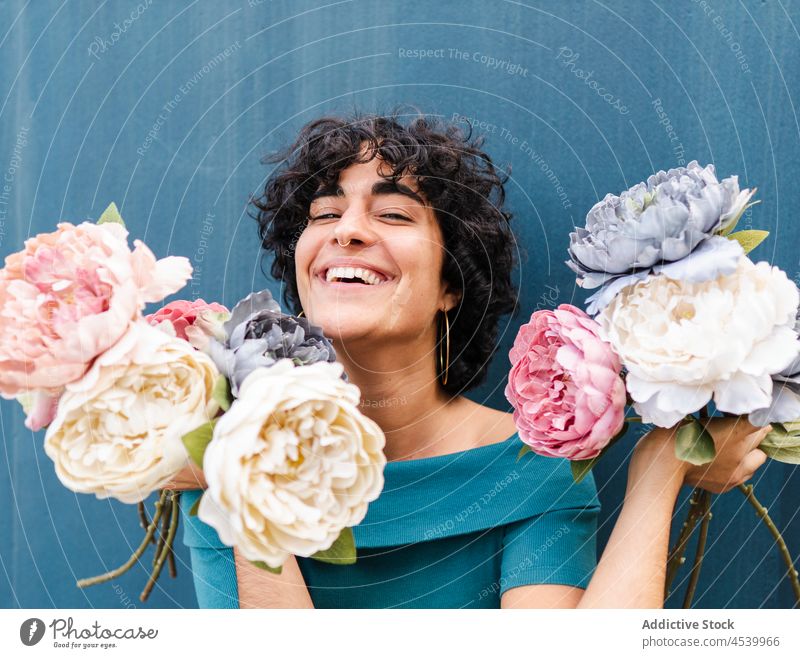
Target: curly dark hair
x: 457, y: 179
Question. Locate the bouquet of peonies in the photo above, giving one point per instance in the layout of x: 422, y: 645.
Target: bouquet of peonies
x: 680, y: 318
x: 292, y: 463
x: 254, y: 396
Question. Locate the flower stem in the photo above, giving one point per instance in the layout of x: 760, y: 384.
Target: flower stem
x: 173, y: 570
x: 699, y: 501
x: 699, y: 553
x: 151, y: 529
x: 162, y: 533
x: 143, y: 520
x: 747, y: 490
x: 676, y: 559
x: 174, y: 516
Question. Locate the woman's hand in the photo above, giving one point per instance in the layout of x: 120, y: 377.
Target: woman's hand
x: 737, y: 454
x: 262, y: 589
x: 191, y: 477
x: 632, y: 570
x: 737, y: 459
x: 257, y: 588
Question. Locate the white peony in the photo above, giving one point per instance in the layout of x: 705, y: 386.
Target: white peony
x: 684, y: 343
x: 118, y: 429
x: 292, y: 463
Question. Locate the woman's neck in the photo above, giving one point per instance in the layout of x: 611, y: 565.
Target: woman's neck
x: 403, y: 395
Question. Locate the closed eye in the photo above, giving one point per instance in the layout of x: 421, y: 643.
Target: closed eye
x: 390, y: 215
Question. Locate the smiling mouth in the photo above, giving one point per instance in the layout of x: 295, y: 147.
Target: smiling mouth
x: 353, y: 276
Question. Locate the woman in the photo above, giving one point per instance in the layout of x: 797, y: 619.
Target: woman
x: 394, y: 240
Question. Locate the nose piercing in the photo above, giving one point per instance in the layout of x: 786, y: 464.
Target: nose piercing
x: 343, y: 245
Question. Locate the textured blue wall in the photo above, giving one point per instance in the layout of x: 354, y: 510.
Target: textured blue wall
x: 166, y: 107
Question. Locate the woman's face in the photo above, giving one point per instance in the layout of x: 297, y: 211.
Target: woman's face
x: 385, y: 283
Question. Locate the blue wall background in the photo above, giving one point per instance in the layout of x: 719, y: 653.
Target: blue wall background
x: 166, y: 108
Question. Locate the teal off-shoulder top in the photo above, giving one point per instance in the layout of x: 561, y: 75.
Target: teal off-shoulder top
x: 452, y: 531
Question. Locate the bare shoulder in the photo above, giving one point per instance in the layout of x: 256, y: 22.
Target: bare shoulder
x: 489, y: 425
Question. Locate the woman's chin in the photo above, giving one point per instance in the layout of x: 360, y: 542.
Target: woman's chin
x: 342, y: 324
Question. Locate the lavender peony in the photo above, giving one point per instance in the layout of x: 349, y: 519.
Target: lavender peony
x: 653, y: 227
x: 258, y: 334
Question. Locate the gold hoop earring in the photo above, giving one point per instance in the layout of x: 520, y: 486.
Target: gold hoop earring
x: 300, y: 314
x: 444, y: 367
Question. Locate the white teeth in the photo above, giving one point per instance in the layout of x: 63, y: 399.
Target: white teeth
x: 367, y: 276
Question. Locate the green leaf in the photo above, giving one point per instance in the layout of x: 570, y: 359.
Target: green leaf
x: 197, y: 441
x: 749, y: 239
x: 265, y: 566
x: 195, y: 507
x: 111, y: 215
x: 524, y: 450
x: 222, y: 393
x: 781, y: 445
x: 793, y: 426
x: 580, y: 468
x: 694, y: 444
x: 343, y: 550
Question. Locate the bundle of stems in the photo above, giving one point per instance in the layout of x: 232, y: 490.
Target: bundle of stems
x: 700, y: 513
x: 160, y: 531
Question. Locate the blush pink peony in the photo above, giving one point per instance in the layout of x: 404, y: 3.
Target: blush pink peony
x: 565, y: 385
x: 67, y: 297
x: 182, y: 314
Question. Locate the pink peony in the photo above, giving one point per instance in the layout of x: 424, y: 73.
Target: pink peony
x: 40, y: 408
x: 67, y: 297
x: 182, y: 314
x: 565, y: 385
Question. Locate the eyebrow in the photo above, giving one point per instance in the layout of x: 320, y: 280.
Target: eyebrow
x: 381, y: 187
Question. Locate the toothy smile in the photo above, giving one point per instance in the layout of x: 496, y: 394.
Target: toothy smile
x: 354, y: 275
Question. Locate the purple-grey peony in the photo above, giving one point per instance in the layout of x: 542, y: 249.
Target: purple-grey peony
x: 258, y: 334
x: 670, y: 224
